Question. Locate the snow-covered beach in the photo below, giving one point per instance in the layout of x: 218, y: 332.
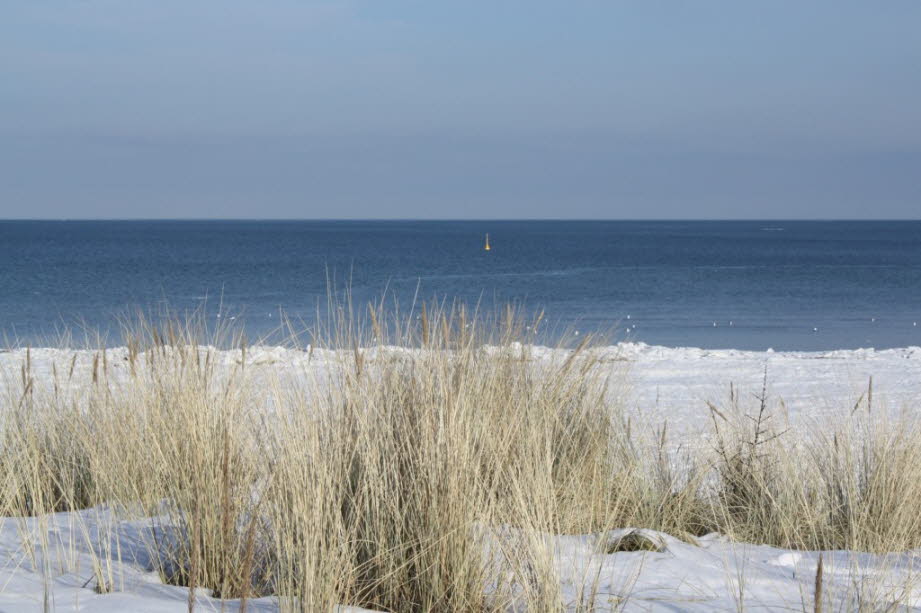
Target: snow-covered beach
x: 661, y: 383
x: 673, y: 384
x: 710, y: 574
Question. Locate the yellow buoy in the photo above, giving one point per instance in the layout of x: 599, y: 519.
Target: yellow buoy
x: 487, y: 247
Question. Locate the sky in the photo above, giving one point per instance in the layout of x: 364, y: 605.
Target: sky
x: 500, y: 109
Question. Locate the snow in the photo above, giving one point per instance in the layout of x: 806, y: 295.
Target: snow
x: 708, y: 574
x: 714, y: 574
x: 676, y: 384
x: 660, y: 383
x: 664, y: 383
x: 61, y: 572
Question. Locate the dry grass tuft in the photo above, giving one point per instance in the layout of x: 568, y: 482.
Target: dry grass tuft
x: 420, y: 466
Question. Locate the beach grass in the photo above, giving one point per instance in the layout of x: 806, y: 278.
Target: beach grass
x: 422, y: 466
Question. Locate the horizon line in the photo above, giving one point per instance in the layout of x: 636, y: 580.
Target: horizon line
x: 455, y: 219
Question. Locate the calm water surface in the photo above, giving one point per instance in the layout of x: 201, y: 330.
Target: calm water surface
x: 786, y: 285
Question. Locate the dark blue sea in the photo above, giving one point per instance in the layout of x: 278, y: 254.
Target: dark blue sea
x: 789, y: 285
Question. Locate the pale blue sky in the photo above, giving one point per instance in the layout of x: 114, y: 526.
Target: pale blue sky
x: 295, y: 109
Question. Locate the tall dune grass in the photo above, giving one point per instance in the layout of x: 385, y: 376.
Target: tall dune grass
x: 420, y: 466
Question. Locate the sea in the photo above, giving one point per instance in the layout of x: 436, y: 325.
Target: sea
x: 782, y: 285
